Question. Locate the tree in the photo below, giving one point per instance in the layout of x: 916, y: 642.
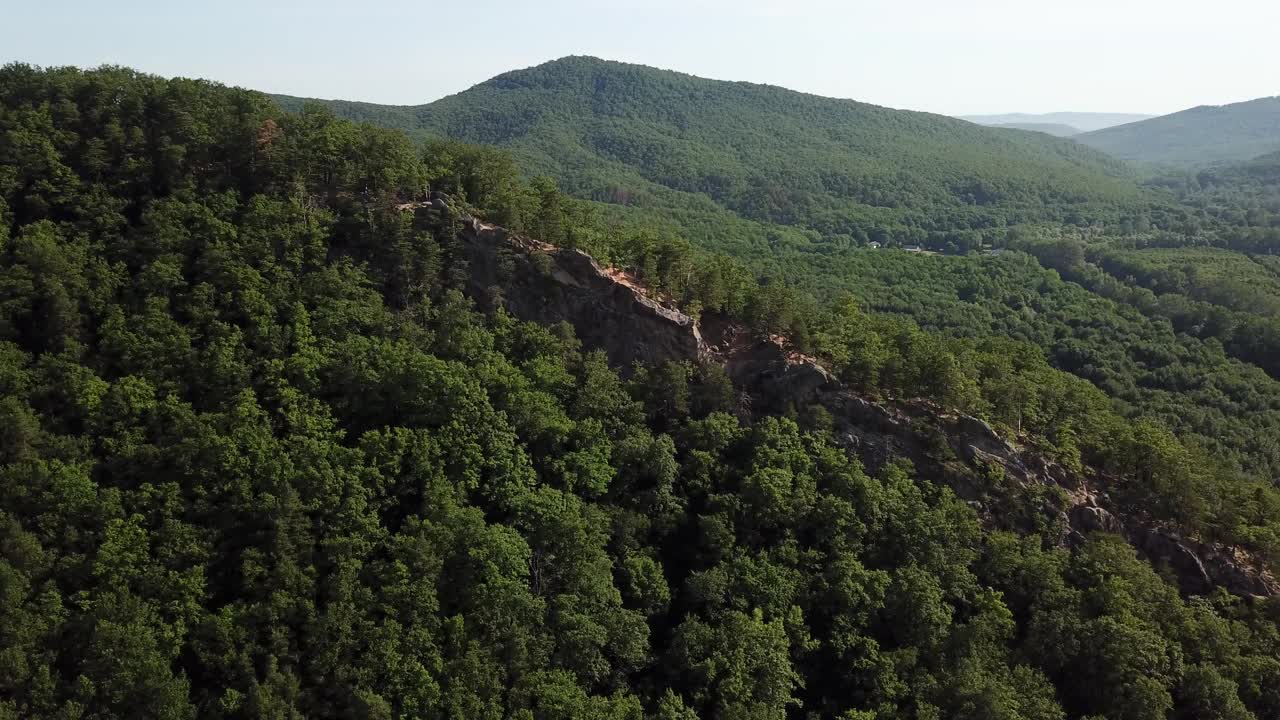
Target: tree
x: 738, y: 668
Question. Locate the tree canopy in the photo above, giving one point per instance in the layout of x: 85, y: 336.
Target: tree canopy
x: 263, y: 458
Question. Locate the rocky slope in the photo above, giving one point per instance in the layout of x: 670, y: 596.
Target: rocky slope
x: 1010, y: 486
x: 538, y: 282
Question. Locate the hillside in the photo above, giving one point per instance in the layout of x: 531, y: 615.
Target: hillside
x: 637, y: 136
x: 1050, y: 128
x: 1263, y: 170
x: 1083, y: 121
x: 1200, y: 136
x: 285, y: 435
x: 568, y: 103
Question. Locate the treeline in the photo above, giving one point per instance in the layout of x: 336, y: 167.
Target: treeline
x: 262, y: 459
x: 1218, y: 277
x: 1138, y: 359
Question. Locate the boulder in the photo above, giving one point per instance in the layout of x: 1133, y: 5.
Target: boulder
x: 1091, y: 518
x: 1165, y: 548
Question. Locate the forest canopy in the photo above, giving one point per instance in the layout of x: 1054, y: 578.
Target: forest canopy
x: 263, y: 458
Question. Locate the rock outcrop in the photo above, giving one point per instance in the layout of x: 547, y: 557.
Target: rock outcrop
x: 610, y: 311
x: 541, y: 283
x: 964, y: 451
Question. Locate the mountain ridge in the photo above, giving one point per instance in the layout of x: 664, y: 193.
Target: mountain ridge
x: 1056, y: 129
x: 1196, y: 137
x: 1083, y: 121
x: 625, y: 134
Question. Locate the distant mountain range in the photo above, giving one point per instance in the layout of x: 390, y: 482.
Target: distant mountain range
x: 1050, y: 128
x: 1079, y: 121
x: 686, y: 146
x: 1200, y: 136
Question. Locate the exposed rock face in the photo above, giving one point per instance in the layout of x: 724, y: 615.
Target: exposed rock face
x: 1091, y: 518
x: 544, y: 284
x: 609, y: 311
x: 925, y: 435
x: 1168, y: 550
x: 1199, y: 567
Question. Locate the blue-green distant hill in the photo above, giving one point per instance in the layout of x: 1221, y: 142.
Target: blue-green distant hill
x: 1050, y: 128
x: 1205, y: 135
x: 1081, y: 121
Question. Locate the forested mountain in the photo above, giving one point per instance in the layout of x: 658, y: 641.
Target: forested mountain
x: 1200, y: 136
x: 1044, y: 127
x: 694, y: 149
x: 262, y: 457
x: 1083, y: 121
x: 550, y: 114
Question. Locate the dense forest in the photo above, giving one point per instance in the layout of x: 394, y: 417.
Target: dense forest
x: 261, y: 457
x: 700, y: 152
x: 1188, y: 361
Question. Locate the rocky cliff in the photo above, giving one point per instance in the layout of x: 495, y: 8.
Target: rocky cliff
x: 608, y: 310
x: 1010, y: 487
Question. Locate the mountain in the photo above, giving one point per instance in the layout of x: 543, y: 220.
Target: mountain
x: 1201, y: 136
x: 1083, y: 121
x: 284, y: 437
x: 796, y: 189
x: 285, y: 434
x: 1050, y: 128
x: 691, y: 147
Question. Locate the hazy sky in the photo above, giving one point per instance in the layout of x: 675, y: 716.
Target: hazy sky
x: 947, y: 56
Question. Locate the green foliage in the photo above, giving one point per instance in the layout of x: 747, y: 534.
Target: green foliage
x: 260, y: 458
x: 1013, y: 385
x: 793, y: 188
x: 844, y: 172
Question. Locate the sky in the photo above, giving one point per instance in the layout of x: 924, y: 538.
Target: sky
x: 946, y: 56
